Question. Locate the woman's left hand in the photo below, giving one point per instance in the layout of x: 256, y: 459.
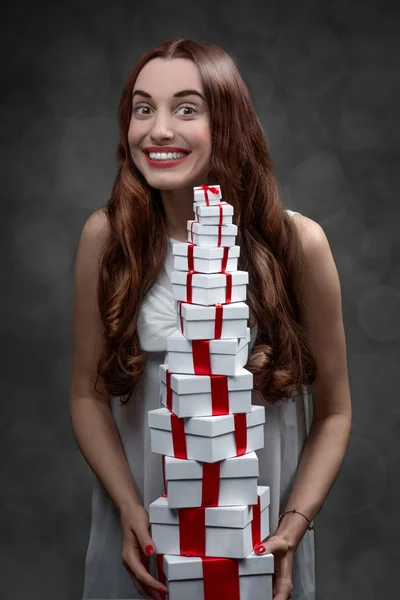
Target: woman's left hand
x: 283, y: 565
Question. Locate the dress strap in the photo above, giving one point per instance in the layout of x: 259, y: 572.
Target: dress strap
x: 292, y: 212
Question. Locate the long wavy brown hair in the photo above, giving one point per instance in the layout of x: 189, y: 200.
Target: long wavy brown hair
x: 270, y: 249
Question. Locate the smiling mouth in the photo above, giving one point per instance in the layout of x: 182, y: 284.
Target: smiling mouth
x: 148, y: 153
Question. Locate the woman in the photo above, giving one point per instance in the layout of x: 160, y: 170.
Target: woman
x: 189, y: 97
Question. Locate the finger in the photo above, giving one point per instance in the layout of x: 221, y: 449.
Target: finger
x: 282, y: 596
x: 282, y: 588
x: 145, y: 591
x: 275, y: 545
x: 144, y: 577
x: 137, y: 585
x: 142, y: 531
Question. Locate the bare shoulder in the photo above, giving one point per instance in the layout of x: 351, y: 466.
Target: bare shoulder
x: 97, y: 225
x: 311, y: 233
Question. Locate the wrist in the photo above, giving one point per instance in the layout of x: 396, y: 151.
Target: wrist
x: 292, y: 527
x: 128, y: 506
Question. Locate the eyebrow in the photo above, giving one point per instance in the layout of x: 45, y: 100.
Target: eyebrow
x: 177, y: 95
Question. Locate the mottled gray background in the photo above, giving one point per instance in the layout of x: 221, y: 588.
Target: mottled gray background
x: 325, y: 81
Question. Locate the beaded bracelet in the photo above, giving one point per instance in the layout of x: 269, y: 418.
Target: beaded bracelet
x: 310, y: 525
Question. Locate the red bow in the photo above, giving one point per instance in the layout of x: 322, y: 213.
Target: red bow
x: 206, y: 189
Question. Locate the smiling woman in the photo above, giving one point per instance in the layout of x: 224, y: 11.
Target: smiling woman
x: 186, y: 119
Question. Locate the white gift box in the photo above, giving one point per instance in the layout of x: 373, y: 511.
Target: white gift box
x: 207, y: 196
x: 227, y: 530
x: 209, y: 288
x: 191, y: 483
x: 198, y: 322
x: 200, y: 395
x: 207, y: 439
x: 211, y: 235
x: 188, y: 257
x: 207, y: 357
x: 217, y: 214
x: 185, y: 577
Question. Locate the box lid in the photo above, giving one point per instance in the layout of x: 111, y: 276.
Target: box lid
x: 198, y: 312
x: 207, y: 252
x: 183, y: 383
x: 245, y: 465
x: 200, y: 229
x: 210, y: 193
x: 215, y: 516
x: 210, y: 280
x: 176, y: 342
x: 188, y: 567
x: 212, y: 211
x: 211, y: 426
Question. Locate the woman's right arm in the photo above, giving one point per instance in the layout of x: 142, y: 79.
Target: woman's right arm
x: 92, y: 420
x: 91, y: 417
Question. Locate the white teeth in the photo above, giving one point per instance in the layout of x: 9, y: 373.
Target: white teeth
x: 166, y: 155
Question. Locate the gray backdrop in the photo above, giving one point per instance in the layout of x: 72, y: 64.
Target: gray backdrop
x: 325, y: 83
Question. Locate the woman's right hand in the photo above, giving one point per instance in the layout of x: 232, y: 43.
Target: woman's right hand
x: 137, y: 546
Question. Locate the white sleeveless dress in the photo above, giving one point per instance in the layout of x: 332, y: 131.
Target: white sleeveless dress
x: 286, y: 429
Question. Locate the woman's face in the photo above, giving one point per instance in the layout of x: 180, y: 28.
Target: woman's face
x: 161, y: 120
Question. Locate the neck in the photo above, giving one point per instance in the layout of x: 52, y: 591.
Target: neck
x: 178, y: 207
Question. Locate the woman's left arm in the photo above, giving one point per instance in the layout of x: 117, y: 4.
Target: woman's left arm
x: 325, y: 447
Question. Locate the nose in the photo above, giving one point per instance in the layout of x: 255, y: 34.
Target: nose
x: 161, y: 127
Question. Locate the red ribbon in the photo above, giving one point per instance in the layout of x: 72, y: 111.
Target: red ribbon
x: 169, y: 391
x: 192, y: 531
x: 178, y: 436
x: 220, y: 214
x: 206, y: 189
x: 240, y: 433
x: 191, y: 257
x: 228, y: 287
x: 210, y: 484
x: 189, y: 277
x: 224, y: 259
x: 219, y: 309
x: 201, y: 357
x: 180, y: 316
x: 256, y: 523
x: 191, y: 230
x: 160, y: 572
x: 219, y: 395
x: 220, y: 578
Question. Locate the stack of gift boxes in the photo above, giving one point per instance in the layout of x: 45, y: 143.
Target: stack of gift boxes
x: 212, y: 514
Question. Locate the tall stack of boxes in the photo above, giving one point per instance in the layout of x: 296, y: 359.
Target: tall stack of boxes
x: 213, y: 513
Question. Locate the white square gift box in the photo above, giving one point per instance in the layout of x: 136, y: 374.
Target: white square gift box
x: 211, y: 235
x: 207, y: 194
x: 209, y: 288
x: 229, y: 482
x: 220, y: 531
x: 205, y: 395
x: 201, y: 578
x: 218, y: 214
x: 189, y: 257
x: 207, y: 439
x: 206, y: 357
x: 221, y: 321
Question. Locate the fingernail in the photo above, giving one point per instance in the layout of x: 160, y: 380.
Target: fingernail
x: 259, y: 549
x: 149, y: 550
